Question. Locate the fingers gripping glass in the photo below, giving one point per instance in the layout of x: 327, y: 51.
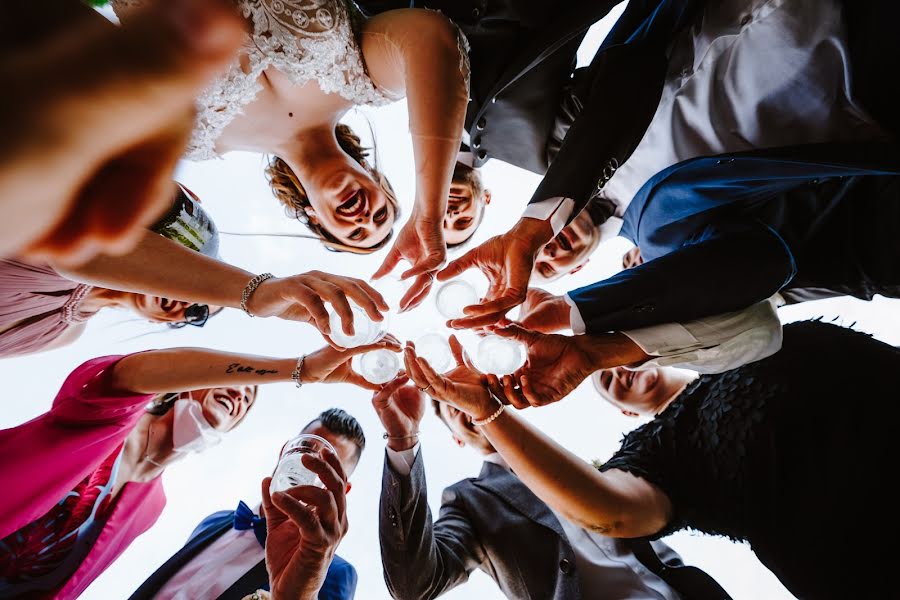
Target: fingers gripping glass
x: 195, y: 315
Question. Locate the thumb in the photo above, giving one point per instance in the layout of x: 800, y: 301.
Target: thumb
x: 463, y: 263
x: 144, y: 74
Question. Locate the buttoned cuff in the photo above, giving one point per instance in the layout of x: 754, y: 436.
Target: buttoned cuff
x: 659, y: 340
x: 556, y: 210
x: 402, y: 461
x: 576, y: 323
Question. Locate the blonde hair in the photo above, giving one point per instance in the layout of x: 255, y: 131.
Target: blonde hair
x: 289, y: 191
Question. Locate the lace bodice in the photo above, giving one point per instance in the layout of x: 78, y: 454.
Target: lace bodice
x: 303, y: 39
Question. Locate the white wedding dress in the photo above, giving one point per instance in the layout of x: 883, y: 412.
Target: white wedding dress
x: 303, y: 39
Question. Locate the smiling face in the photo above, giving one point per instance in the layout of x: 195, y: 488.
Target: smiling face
x: 225, y: 407
x: 350, y: 205
x: 466, y: 204
x: 643, y: 392
x: 569, y: 251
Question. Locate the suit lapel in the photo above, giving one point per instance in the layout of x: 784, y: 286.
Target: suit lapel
x: 254, y: 579
x: 178, y: 560
x: 502, y: 483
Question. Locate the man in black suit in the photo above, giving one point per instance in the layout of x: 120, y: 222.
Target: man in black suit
x: 226, y: 556
x: 494, y: 523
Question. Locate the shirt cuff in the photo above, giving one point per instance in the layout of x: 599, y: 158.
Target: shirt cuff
x: 576, y: 323
x: 658, y: 340
x: 402, y: 461
x: 556, y: 210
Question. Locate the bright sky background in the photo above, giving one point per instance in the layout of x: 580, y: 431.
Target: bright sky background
x: 235, y: 192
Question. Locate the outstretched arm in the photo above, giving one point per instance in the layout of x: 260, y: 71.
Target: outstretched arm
x: 162, y: 267
x: 421, y: 559
x: 184, y: 369
x: 422, y: 54
x: 613, y: 503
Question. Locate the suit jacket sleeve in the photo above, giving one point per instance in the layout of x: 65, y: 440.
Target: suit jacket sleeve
x: 423, y: 559
x: 601, y: 138
x: 340, y: 582
x: 721, y: 270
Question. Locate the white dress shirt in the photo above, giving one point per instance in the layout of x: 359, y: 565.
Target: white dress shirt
x: 216, y: 568
x: 712, y: 344
x: 606, y: 567
x: 748, y: 74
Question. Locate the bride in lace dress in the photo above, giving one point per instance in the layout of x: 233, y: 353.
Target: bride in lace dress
x: 305, y: 63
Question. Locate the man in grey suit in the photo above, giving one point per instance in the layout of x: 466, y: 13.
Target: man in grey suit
x: 494, y: 523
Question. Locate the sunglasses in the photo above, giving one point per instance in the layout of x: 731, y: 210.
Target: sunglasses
x: 195, y: 315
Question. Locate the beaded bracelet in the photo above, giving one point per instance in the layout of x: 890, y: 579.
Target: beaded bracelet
x: 295, y: 374
x: 491, y: 418
x: 251, y: 287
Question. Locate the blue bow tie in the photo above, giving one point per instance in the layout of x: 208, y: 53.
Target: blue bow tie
x: 244, y: 519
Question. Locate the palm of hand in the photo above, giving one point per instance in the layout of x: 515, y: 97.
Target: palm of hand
x: 422, y: 244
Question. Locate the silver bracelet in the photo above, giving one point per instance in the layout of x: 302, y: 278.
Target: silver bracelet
x: 251, y: 287
x: 399, y: 437
x: 295, y: 374
x: 491, y: 418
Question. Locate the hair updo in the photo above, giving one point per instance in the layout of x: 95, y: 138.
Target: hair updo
x: 289, y: 190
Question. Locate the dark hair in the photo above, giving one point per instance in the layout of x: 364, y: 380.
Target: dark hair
x: 289, y: 190
x: 342, y: 423
x: 162, y: 403
x: 469, y: 176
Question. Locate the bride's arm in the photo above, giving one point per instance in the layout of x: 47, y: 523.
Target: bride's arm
x: 420, y: 53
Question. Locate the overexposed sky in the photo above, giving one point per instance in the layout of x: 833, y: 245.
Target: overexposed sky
x: 236, y: 194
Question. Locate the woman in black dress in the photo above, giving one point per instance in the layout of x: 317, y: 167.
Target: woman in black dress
x: 788, y: 453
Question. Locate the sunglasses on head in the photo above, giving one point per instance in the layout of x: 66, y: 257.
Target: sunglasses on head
x: 195, y: 315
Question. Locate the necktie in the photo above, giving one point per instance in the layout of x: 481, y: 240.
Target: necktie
x: 244, y: 519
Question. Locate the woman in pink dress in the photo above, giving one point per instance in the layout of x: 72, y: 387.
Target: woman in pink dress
x: 82, y: 481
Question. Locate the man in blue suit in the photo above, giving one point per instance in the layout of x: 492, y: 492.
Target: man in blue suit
x: 224, y: 558
x: 720, y: 233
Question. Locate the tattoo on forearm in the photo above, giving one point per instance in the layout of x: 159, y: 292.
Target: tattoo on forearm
x: 239, y: 368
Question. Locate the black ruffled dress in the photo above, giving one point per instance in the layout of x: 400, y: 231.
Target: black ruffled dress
x: 795, y: 454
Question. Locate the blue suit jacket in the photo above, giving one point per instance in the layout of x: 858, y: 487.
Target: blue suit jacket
x: 340, y: 581
x: 703, y: 231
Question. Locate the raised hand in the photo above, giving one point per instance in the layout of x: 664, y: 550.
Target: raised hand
x: 303, y: 297
x: 332, y: 365
x: 556, y: 365
x: 400, y: 408
x: 305, y: 525
x: 105, y: 110
x: 507, y: 260
x: 421, y: 242
x: 463, y: 387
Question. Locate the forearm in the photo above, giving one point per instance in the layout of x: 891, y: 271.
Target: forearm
x: 161, y: 267
x: 419, y: 561
x: 183, y: 369
x: 431, y: 60
x: 608, y: 350
x: 597, y: 501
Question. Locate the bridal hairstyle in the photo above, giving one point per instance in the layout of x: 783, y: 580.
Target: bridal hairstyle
x: 290, y: 192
